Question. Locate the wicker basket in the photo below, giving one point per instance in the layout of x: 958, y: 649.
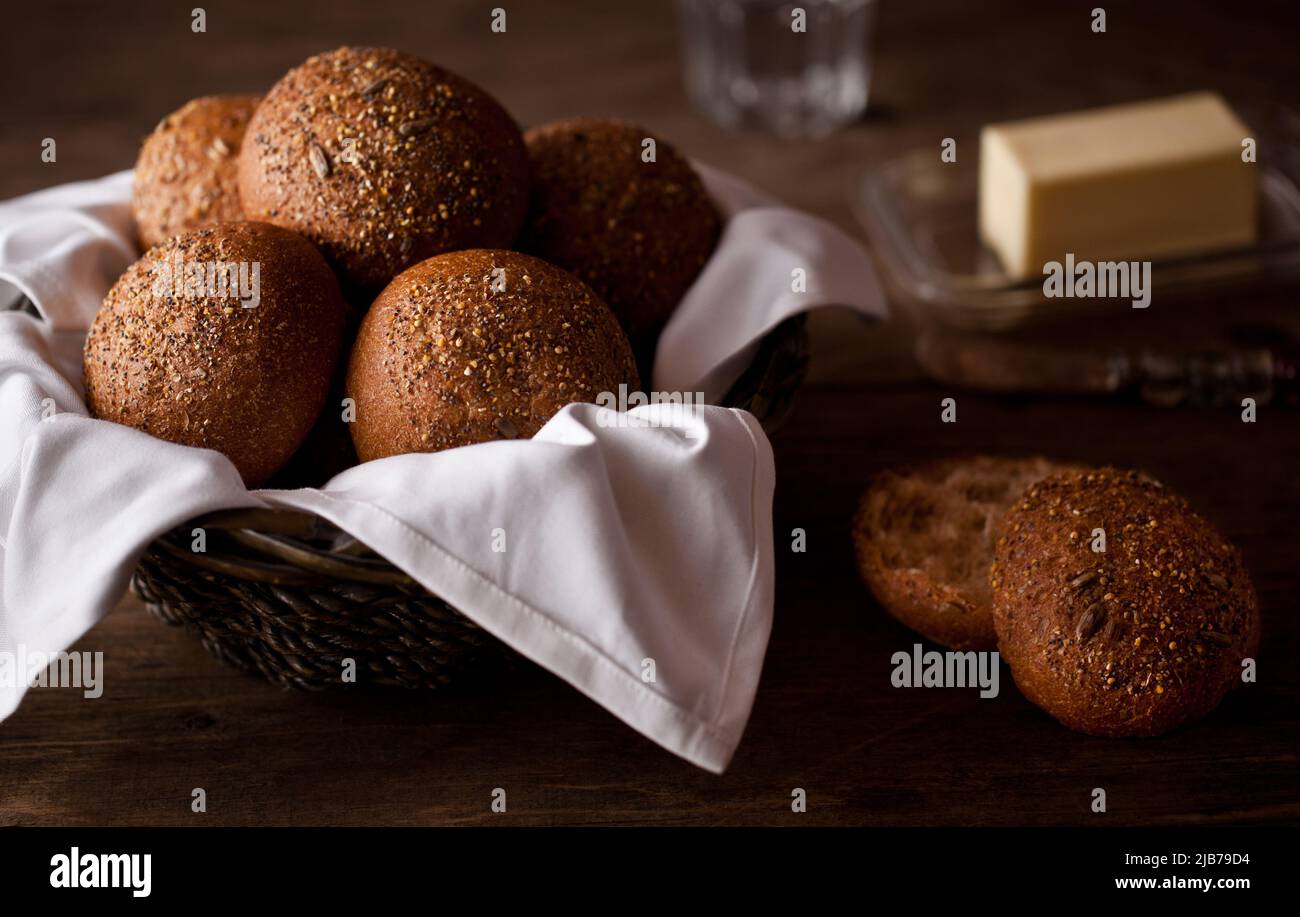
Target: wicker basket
x: 288, y: 595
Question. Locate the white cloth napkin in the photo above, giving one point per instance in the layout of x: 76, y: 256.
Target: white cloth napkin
x: 772, y: 262
x: 638, y: 559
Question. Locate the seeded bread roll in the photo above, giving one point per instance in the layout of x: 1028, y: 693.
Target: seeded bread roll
x: 1134, y: 641
x: 169, y: 355
x: 445, y: 359
x: 636, y: 232
x: 383, y: 159
x: 924, y: 542
x: 186, y: 176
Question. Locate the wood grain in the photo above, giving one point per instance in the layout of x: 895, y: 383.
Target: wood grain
x: 826, y: 719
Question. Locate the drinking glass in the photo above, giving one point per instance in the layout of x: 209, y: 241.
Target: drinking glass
x: 795, y: 69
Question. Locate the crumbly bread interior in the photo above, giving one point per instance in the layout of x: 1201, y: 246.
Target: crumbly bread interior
x: 941, y: 518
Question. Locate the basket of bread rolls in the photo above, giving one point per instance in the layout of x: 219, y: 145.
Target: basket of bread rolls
x: 426, y: 277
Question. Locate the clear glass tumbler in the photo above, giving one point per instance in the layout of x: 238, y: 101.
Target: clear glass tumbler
x: 795, y: 69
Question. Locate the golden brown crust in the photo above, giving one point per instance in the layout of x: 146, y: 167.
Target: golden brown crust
x: 923, y: 536
x: 205, y: 370
x: 443, y: 359
x: 186, y: 176
x: 436, y: 164
x: 636, y: 232
x: 1134, y: 641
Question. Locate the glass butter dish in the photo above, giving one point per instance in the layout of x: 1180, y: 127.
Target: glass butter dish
x: 920, y: 215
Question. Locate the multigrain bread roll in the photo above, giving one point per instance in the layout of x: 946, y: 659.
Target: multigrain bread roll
x: 924, y: 542
x: 636, y: 232
x: 479, y: 345
x: 383, y: 159
x: 1133, y: 641
x: 186, y: 176
x: 222, y: 338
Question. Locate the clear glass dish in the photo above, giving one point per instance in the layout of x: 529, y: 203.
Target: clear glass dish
x: 920, y: 215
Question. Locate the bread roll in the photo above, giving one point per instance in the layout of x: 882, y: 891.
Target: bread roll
x: 636, y: 232
x: 446, y: 358
x: 1133, y: 641
x: 186, y: 176
x: 174, y: 353
x: 924, y: 542
x: 383, y: 159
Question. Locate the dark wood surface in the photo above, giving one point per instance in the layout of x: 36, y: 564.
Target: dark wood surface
x: 826, y: 718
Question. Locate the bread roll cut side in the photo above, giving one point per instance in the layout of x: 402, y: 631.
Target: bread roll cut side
x: 924, y: 542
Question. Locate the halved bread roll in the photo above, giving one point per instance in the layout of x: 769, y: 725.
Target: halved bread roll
x: 924, y: 538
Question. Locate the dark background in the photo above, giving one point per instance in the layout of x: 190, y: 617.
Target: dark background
x: 98, y: 77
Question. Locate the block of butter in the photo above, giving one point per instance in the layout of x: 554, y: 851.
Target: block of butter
x: 1141, y: 181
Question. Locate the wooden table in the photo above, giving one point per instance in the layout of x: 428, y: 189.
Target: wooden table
x: 826, y: 718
